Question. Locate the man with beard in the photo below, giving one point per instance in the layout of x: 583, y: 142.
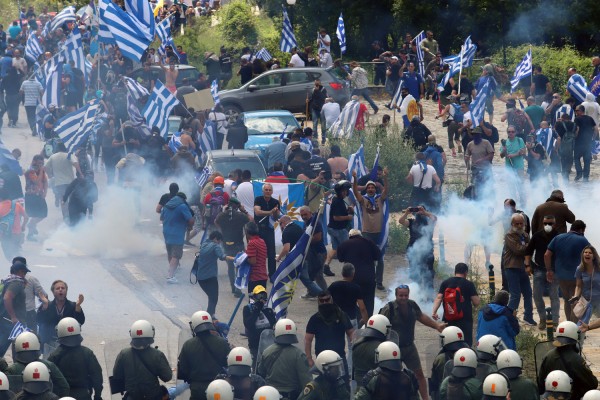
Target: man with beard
x: 478, y: 156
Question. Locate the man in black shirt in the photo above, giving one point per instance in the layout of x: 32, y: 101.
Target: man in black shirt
x: 540, y: 85
x: 539, y: 244
x: 340, y: 216
x: 347, y: 295
x: 245, y: 71
x: 231, y: 223
x: 164, y: 199
x: 468, y: 296
x: 563, y: 126
x: 586, y: 130
x: 265, y: 209
x: 226, y: 68
x: 13, y: 308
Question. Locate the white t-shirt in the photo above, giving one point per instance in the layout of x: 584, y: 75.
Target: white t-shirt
x: 296, y: 61
x: 331, y: 112
x: 60, y: 168
x: 221, y: 120
x: 417, y: 174
x: 325, y: 60
x: 245, y: 194
x: 322, y: 45
x: 468, y: 117
x: 593, y: 110
x: 229, y: 186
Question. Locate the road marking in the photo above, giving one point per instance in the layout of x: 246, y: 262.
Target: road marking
x: 162, y: 299
x: 135, y: 271
x: 44, y: 266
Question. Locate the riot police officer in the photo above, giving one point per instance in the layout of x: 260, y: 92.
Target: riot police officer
x: 451, y: 339
x: 510, y: 365
x: 27, y: 350
x: 330, y: 384
x: 389, y: 381
x: 487, y: 349
x: 36, y: 383
x: 5, y: 392
x: 558, y: 386
x: 267, y: 393
x: 257, y: 318
x: 283, y: 365
x: 497, y: 387
x: 239, y: 374
x: 593, y: 394
x: 78, y: 363
x: 462, y: 383
x: 365, y: 343
x: 219, y: 390
x: 211, y: 349
x: 140, y: 365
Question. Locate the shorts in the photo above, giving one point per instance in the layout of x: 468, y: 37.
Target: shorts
x: 338, y: 236
x: 410, y: 357
x: 174, y: 251
x: 35, y: 206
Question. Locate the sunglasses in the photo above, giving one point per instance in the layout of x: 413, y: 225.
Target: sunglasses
x: 548, y: 223
x: 402, y: 287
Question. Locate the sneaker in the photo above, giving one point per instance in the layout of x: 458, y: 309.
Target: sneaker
x: 530, y: 322
x: 542, y: 325
x: 327, y: 271
x: 381, y: 287
x: 172, y: 280
x: 308, y: 296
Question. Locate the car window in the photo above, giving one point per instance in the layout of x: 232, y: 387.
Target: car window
x: 267, y: 81
x: 296, y: 77
x: 270, y: 125
x: 189, y: 73
x: 252, y: 164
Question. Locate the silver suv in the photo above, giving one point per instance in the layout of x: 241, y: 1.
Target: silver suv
x: 285, y: 88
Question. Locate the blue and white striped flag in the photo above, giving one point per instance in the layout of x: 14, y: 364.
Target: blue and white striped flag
x: 288, y: 40
x: 136, y: 118
x: 577, y: 87
x: 565, y: 109
x: 242, y: 270
x: 343, y: 127
x: 8, y: 160
x: 46, y: 29
x: 373, y: 173
x: 73, y: 50
x: 163, y: 29
x: 341, y: 33
x: 159, y: 107
x: 53, y: 85
x: 33, y: 48
x: 74, y: 128
x: 135, y: 89
x: 120, y: 28
x: 456, y: 63
x: 202, y: 176
x: 17, y: 329
x: 477, y: 106
x: 175, y: 142
x: 208, y: 139
x: 263, y: 54
x: 66, y: 15
x: 356, y: 162
x: 144, y: 16
x: 214, y: 91
x: 40, y: 113
x: 523, y: 70
x: 286, y: 275
x: 420, y: 54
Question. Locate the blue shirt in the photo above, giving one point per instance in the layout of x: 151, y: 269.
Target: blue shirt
x: 566, y: 251
x: 210, y: 252
x: 14, y: 31
x: 175, y: 216
x: 318, y: 247
x: 413, y: 83
x: 5, y: 64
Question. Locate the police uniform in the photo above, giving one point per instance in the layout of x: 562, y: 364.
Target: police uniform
x: 566, y: 358
x: 7, y: 395
x: 42, y: 396
x: 454, y: 388
x: 322, y: 389
x: 384, y: 384
x: 285, y: 367
x: 60, y: 386
x: 139, y: 369
x: 484, y: 368
x: 81, y: 369
x: 437, y: 371
x: 363, y: 357
x: 257, y: 319
x: 522, y: 388
x: 213, y: 351
x: 244, y: 387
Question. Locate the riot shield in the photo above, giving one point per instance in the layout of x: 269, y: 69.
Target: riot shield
x: 181, y: 389
x: 111, y: 351
x: 267, y: 338
x: 540, y: 351
x: 49, y: 348
x: 15, y: 383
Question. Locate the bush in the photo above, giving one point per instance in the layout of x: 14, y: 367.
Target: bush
x: 398, y: 240
x: 237, y: 23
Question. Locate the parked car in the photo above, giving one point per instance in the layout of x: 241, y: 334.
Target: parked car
x: 264, y: 125
x: 285, y: 88
x: 225, y: 161
x: 185, y: 71
x: 174, y: 123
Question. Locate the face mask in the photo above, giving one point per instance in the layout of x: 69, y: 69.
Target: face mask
x: 548, y: 228
x: 327, y: 310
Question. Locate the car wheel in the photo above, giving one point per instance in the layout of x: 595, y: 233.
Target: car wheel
x: 232, y: 112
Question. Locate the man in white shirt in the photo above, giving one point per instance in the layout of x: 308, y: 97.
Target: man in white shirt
x: 323, y: 40
x: 296, y: 61
x: 220, y: 119
x: 325, y: 60
x: 424, y: 180
x: 592, y: 108
x: 245, y: 192
x: 60, y: 169
x: 330, y: 111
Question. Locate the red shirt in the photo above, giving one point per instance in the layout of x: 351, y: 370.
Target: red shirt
x: 360, y: 118
x: 257, y: 248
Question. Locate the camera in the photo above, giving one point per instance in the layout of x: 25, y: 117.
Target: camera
x: 414, y: 209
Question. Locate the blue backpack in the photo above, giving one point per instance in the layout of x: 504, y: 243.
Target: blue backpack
x: 458, y: 114
x: 436, y: 160
x: 7, y: 221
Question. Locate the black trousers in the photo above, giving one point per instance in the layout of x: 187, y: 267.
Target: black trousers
x: 210, y: 286
x: 268, y: 235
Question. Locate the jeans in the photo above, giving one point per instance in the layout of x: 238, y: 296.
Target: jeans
x: 316, y: 117
x: 539, y: 282
x: 365, y: 93
x: 586, y: 154
x: 211, y: 288
x: 566, y: 162
x: 30, y: 110
x: 374, y: 236
x: 311, y: 287
x: 2, y: 106
x: 518, y: 284
x: 567, y: 289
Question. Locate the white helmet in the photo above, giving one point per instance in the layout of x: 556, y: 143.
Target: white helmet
x: 330, y: 364
x: 558, y: 381
x: 387, y: 355
x: 450, y: 335
x: 465, y: 363
x: 509, y: 363
x: 591, y: 395
x: 202, y: 321
x: 36, y: 378
x: 488, y: 347
x: 239, y: 362
x: 4, y: 384
x: 566, y: 333
x: 68, y: 332
x: 27, y: 347
x: 267, y: 393
x: 285, y: 332
x: 219, y: 389
x: 378, y: 326
x: 142, y: 334
x: 495, y: 386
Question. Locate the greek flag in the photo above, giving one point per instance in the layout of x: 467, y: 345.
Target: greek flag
x: 564, y: 109
x: 137, y: 120
x: 477, y: 106
x: 74, y: 128
x: 118, y: 27
x: 40, y: 113
x: 242, y: 270
x: 286, y: 275
x: 8, y: 160
x: 356, y: 162
x: 46, y: 29
x: 208, y: 139
x: 17, y: 329
x: 264, y: 55
x: 594, y: 86
x: 73, y: 50
x: 577, y: 87
x: 523, y: 70
x: 341, y: 33
x: 420, y: 54
x: 288, y: 40
x: 175, y: 142
x: 456, y: 63
x: 144, y: 16
x: 66, y: 15
x: 202, y: 176
x: 135, y: 89
x: 343, y: 127
x: 33, y: 48
x: 159, y: 107
x: 385, y: 224
x: 163, y: 30
x: 214, y: 91
x: 53, y: 84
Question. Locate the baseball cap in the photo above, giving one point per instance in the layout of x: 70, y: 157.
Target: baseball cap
x: 18, y: 266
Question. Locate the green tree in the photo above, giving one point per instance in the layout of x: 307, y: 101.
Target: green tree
x: 237, y: 23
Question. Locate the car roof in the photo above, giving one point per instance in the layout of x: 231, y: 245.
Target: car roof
x: 177, y: 66
x: 267, y: 113
x: 228, y: 153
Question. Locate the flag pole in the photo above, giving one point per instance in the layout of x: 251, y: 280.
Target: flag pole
x: 531, y: 66
x: 460, y: 68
